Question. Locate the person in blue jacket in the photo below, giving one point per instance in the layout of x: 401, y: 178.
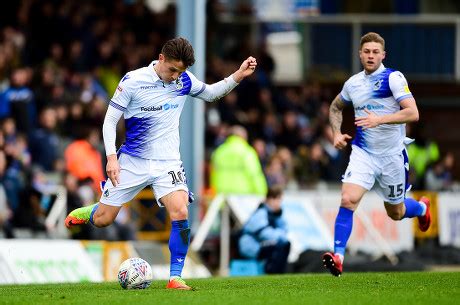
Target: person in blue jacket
x: 264, y: 236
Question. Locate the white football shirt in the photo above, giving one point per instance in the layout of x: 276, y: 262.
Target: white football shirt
x: 151, y: 110
x: 379, y: 92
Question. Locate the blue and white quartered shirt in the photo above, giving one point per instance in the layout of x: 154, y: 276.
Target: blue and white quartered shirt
x: 152, y: 109
x: 379, y: 92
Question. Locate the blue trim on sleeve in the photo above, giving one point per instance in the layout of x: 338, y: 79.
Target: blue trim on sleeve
x: 403, y: 97
x: 201, y: 90
x: 115, y: 105
x: 344, y: 99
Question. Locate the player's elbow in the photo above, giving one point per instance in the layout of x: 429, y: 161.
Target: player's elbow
x: 415, y: 117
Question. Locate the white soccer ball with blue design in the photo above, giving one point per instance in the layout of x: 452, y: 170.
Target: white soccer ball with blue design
x: 135, y: 273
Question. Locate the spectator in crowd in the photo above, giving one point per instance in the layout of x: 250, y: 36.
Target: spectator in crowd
x: 264, y: 235
x: 422, y: 153
x: 289, y: 134
x: 35, y: 201
x: 439, y: 175
x: 274, y: 172
x: 5, y: 212
x: 44, y: 142
x: 17, y: 100
x: 82, y: 158
x: 235, y: 166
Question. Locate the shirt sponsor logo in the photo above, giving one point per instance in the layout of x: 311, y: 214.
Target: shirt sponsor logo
x: 152, y: 108
x: 170, y: 106
x: 370, y: 107
x: 165, y: 107
x: 148, y: 87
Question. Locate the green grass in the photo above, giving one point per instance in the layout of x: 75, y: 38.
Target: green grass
x: 352, y: 288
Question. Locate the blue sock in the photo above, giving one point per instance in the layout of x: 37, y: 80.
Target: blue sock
x: 413, y: 208
x: 343, y: 226
x: 178, y: 246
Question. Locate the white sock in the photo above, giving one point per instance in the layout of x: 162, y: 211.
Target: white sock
x: 424, y: 207
x: 341, y: 257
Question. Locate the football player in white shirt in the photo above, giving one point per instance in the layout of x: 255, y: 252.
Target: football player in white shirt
x: 383, y: 104
x: 151, y: 100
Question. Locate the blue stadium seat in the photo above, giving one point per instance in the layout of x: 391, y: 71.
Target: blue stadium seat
x: 246, y: 267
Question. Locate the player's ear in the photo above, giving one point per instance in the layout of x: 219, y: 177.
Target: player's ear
x: 384, y: 54
x: 161, y: 58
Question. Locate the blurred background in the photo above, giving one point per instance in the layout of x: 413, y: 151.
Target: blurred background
x: 60, y: 62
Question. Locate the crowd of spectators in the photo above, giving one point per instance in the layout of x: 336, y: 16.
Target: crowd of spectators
x: 60, y: 62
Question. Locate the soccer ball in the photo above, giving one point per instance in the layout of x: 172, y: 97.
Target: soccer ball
x: 135, y: 273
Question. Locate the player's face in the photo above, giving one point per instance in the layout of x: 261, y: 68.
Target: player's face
x: 371, y: 55
x: 274, y: 203
x: 169, y: 69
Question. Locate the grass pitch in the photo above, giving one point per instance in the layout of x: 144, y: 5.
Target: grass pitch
x: 352, y: 288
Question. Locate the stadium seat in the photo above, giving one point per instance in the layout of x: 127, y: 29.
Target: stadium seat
x: 246, y: 267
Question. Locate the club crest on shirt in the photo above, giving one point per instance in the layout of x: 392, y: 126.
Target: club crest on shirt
x: 179, y: 84
x: 378, y: 84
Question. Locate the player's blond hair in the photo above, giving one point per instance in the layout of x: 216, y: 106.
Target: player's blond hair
x: 372, y: 37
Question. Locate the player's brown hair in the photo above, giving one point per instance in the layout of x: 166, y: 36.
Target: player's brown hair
x: 179, y: 49
x: 372, y: 37
x: 274, y: 191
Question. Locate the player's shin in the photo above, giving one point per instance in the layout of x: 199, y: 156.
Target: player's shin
x: 414, y: 208
x: 342, y: 231
x: 178, y: 246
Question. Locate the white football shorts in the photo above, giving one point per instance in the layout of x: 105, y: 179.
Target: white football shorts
x: 387, y: 175
x: 164, y: 176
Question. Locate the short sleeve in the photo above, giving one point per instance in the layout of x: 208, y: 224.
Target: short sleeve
x: 344, y: 94
x: 124, y: 92
x: 196, y: 86
x: 399, y: 86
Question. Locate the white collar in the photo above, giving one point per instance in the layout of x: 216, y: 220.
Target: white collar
x: 154, y: 74
x: 378, y: 71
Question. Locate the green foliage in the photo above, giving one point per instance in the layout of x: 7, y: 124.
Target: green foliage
x: 352, y: 288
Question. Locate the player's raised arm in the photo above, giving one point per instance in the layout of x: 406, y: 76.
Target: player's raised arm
x: 213, y: 92
x: 336, y: 118
x: 247, y: 68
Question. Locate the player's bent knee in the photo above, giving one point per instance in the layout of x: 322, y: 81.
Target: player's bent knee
x: 348, y: 202
x: 395, y: 215
x: 179, y: 214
